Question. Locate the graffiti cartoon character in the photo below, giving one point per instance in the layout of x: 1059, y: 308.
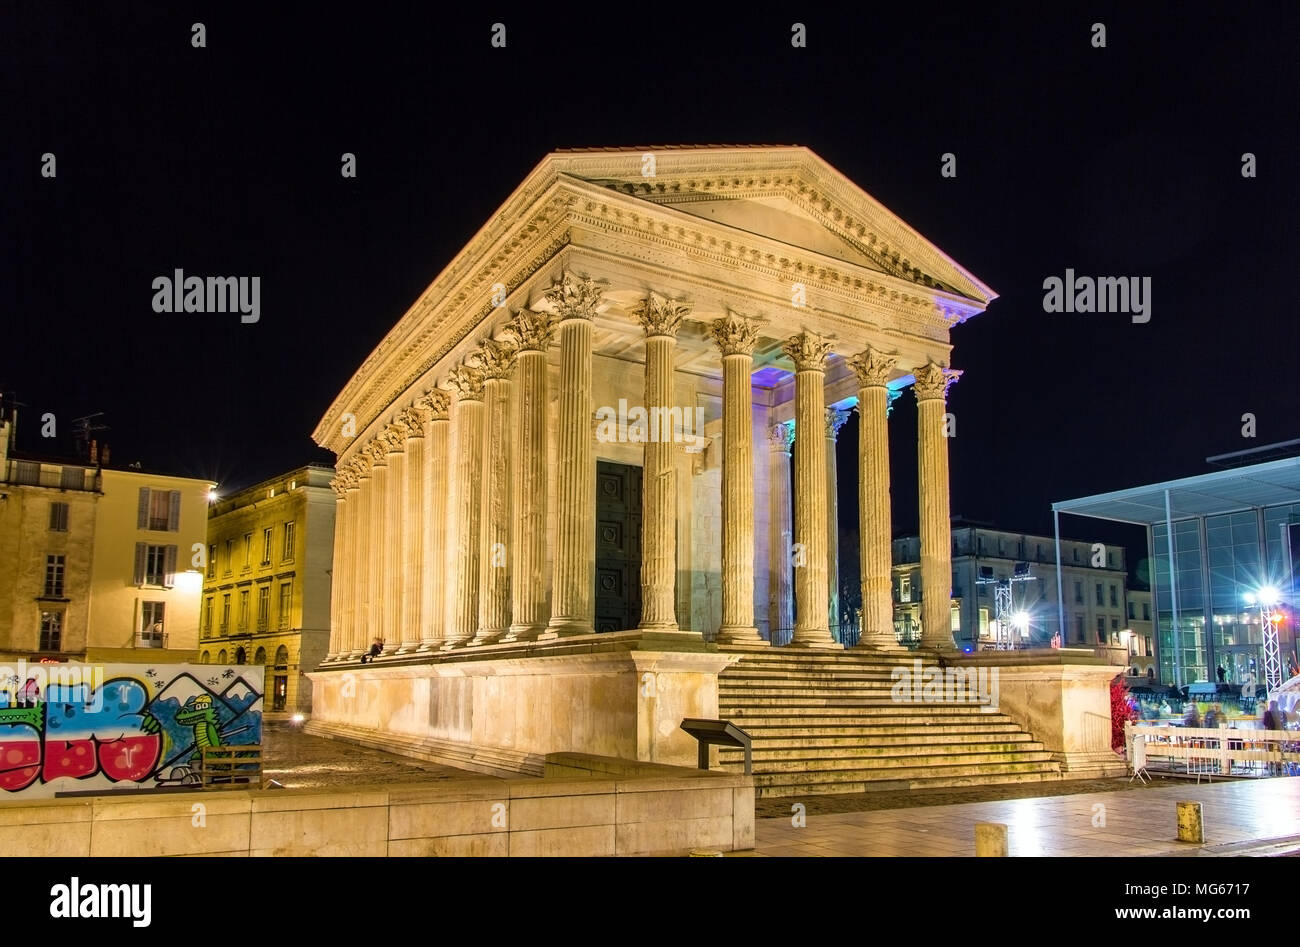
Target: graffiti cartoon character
x: 199, y: 714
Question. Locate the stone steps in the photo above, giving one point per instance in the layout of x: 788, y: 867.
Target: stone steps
x: 826, y: 722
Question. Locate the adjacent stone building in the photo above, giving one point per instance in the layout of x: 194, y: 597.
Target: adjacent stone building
x: 266, y: 590
x: 1094, y: 583
x: 98, y: 562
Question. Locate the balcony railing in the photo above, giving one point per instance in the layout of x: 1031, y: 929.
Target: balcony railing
x: 35, y: 474
x: 151, y: 640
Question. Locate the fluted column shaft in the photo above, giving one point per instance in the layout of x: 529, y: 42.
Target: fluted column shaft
x: 835, y: 418
x: 931, y: 390
x: 659, y: 492
x: 781, y: 536
x: 434, y: 486
x: 467, y: 433
x: 394, y: 547
x: 361, y: 531
x: 573, y: 576
x: 810, y: 576
x: 348, y: 590
x: 378, y: 549
x: 412, y: 514
x: 735, y: 336
x: 494, y: 585
x: 338, y: 568
x: 528, y: 497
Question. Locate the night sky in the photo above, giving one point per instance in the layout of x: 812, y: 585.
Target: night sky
x: 1122, y: 161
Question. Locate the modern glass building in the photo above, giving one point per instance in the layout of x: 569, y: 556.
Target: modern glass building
x: 1223, y: 549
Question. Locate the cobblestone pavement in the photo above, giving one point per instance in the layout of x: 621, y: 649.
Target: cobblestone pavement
x: 297, y: 760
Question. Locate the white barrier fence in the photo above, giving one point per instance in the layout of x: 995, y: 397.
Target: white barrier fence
x: 1206, y: 751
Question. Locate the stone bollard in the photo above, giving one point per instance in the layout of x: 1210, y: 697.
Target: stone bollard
x: 1191, y: 827
x: 990, y: 840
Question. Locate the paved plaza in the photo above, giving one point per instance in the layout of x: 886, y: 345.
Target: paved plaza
x: 1238, y: 815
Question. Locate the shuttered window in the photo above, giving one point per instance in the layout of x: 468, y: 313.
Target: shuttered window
x: 155, y: 565
x: 59, y: 517
x: 158, y: 510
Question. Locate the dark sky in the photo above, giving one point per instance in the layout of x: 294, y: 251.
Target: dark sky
x: 1123, y: 161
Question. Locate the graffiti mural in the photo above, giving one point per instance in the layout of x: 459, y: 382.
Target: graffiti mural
x: 79, y: 727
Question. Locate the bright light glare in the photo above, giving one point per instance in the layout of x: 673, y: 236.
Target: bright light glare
x: 1268, y: 596
x: 298, y: 718
x: 1020, y: 620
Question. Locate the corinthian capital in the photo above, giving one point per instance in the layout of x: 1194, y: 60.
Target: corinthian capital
x: 933, y: 382
x: 574, y: 297
x: 836, y: 418
x: 735, y: 334
x: 781, y: 436
x: 466, y: 382
x: 808, y: 351
x: 873, y: 367
x: 532, y: 331
x: 377, y: 452
x: 433, y: 405
x: 393, y: 437
x: 496, y: 359
x: 660, y: 315
x: 361, y: 465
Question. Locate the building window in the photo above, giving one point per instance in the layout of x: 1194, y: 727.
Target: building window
x: 1078, y: 629
x: 221, y: 656
x: 225, y: 614
x: 904, y: 588
x: 1101, y: 595
x: 1146, y: 611
x: 248, y: 551
x: 230, y: 555
x: 207, y: 614
x: 54, y: 576
x: 984, y: 622
x: 1101, y: 630
x: 1078, y: 592
x: 212, y: 561
x: 151, y: 624
x: 286, y: 604
x: 955, y: 624
x: 205, y: 657
x: 266, y: 546
x: 155, y: 565
x: 1147, y: 642
x: 1131, y: 611
x: 263, y: 608
x: 259, y: 656
x: 159, y: 510
x: 288, y: 542
x: 59, y: 517
x: 51, y: 630
x: 1114, y: 598
x: 1076, y: 553
x: 1114, y: 631
x: 243, y: 610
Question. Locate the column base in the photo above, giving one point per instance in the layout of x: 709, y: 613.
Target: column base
x: 408, y: 647
x: 816, y: 638
x: 523, y: 633
x: 353, y: 655
x: 939, y: 645
x: 452, y: 644
x: 429, y: 644
x: 487, y: 636
x: 565, y: 628
x: 738, y: 635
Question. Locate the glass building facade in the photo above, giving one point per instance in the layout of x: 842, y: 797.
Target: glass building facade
x: 1217, y: 562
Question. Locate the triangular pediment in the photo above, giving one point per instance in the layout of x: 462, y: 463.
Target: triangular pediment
x: 783, y: 193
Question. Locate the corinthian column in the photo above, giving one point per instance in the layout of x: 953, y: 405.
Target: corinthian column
x: 781, y: 538
x: 498, y: 361
x: 339, y: 568
x: 432, y: 410
x: 466, y: 382
x: 360, y: 555
x: 835, y: 419
x: 808, y: 352
x: 660, y: 318
x: 532, y: 332
x: 411, y: 521
x: 394, y: 438
x: 875, y: 522
x: 572, y: 605
x: 376, y: 525
x: 735, y: 336
x: 932, y: 384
